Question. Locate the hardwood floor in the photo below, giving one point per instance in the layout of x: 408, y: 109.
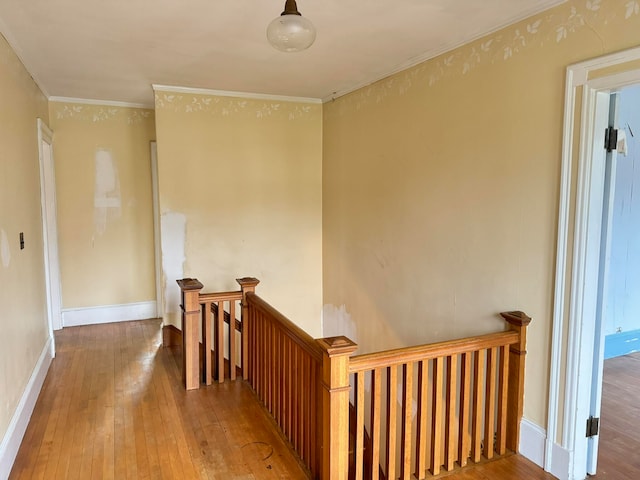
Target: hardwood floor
x: 113, y: 407
x: 619, y: 455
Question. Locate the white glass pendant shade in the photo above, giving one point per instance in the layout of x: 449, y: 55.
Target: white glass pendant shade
x: 291, y: 32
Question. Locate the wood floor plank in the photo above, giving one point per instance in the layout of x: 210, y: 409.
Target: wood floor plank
x: 619, y: 446
x: 113, y: 406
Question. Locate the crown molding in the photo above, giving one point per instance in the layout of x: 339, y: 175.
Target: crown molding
x: 227, y: 93
x: 412, y: 62
x: 107, y: 103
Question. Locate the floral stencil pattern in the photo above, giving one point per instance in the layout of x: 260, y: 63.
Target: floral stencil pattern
x: 554, y: 26
x: 98, y: 113
x: 225, y: 106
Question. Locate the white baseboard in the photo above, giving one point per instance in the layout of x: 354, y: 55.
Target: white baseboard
x: 532, y: 441
x: 18, y: 425
x: 73, y: 317
x: 560, y: 461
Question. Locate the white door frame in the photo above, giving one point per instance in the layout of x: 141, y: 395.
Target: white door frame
x: 49, y: 231
x: 581, y: 270
x: 153, y: 146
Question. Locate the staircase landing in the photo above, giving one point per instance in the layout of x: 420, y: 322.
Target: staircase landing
x: 113, y: 406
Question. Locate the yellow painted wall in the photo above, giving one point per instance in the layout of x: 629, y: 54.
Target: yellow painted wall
x: 441, y: 188
x: 105, y: 210
x: 23, y: 320
x: 240, y: 195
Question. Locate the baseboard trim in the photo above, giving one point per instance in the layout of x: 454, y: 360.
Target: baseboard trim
x: 74, y: 317
x: 20, y: 420
x: 560, y: 461
x: 171, y: 336
x: 532, y: 442
x: 623, y: 343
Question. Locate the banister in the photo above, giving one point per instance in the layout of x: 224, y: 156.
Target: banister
x: 295, y: 333
x: 335, y: 406
x: 476, y: 384
x: 220, y: 296
x: 400, y: 356
x: 190, y: 290
x: 518, y: 322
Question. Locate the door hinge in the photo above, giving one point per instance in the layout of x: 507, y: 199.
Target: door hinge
x: 593, y: 424
x: 610, y: 139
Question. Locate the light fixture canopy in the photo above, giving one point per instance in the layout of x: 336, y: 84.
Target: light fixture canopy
x: 291, y: 32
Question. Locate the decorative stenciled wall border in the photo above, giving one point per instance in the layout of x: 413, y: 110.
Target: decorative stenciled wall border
x: 96, y: 113
x: 554, y: 26
x: 226, y: 106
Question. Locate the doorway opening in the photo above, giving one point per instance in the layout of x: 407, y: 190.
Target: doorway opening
x: 49, y: 230
x: 577, y: 344
x: 619, y: 295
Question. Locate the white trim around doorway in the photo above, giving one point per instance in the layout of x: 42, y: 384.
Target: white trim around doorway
x: 576, y: 268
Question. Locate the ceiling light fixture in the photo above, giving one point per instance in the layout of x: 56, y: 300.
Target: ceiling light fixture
x: 291, y: 32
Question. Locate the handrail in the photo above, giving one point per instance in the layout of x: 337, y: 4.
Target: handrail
x: 220, y: 296
x: 399, y: 356
x: 470, y: 390
x: 294, y: 332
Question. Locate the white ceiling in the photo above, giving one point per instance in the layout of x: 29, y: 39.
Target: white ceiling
x: 115, y: 50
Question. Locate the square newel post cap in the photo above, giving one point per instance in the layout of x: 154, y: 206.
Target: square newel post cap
x: 337, y: 345
x: 190, y: 284
x: 516, y: 318
x: 245, y: 282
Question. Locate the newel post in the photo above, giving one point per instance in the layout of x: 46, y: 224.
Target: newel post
x: 518, y: 322
x: 335, y: 406
x: 190, y: 288
x: 247, y: 284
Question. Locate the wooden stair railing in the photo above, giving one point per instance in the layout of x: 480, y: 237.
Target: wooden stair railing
x: 201, y: 307
x: 468, y: 405
x: 467, y: 393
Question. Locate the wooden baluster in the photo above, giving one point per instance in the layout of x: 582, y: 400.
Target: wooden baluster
x: 264, y: 360
x: 450, y: 445
x: 476, y: 420
x: 376, y: 421
x: 291, y: 387
x: 280, y: 371
x: 392, y: 419
x: 219, y: 346
x: 190, y: 290
x: 259, y: 326
x: 465, y: 398
x: 232, y: 340
x: 407, y: 416
x: 207, y: 340
x: 269, y: 363
x: 421, y: 422
x: 359, y: 433
x: 298, y: 398
x: 286, y: 375
x: 314, y: 442
x: 501, y: 434
x: 335, y: 406
x: 518, y: 321
x: 490, y: 403
x: 247, y: 285
x: 436, y: 420
x: 277, y: 387
x: 249, y: 345
x: 304, y: 434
